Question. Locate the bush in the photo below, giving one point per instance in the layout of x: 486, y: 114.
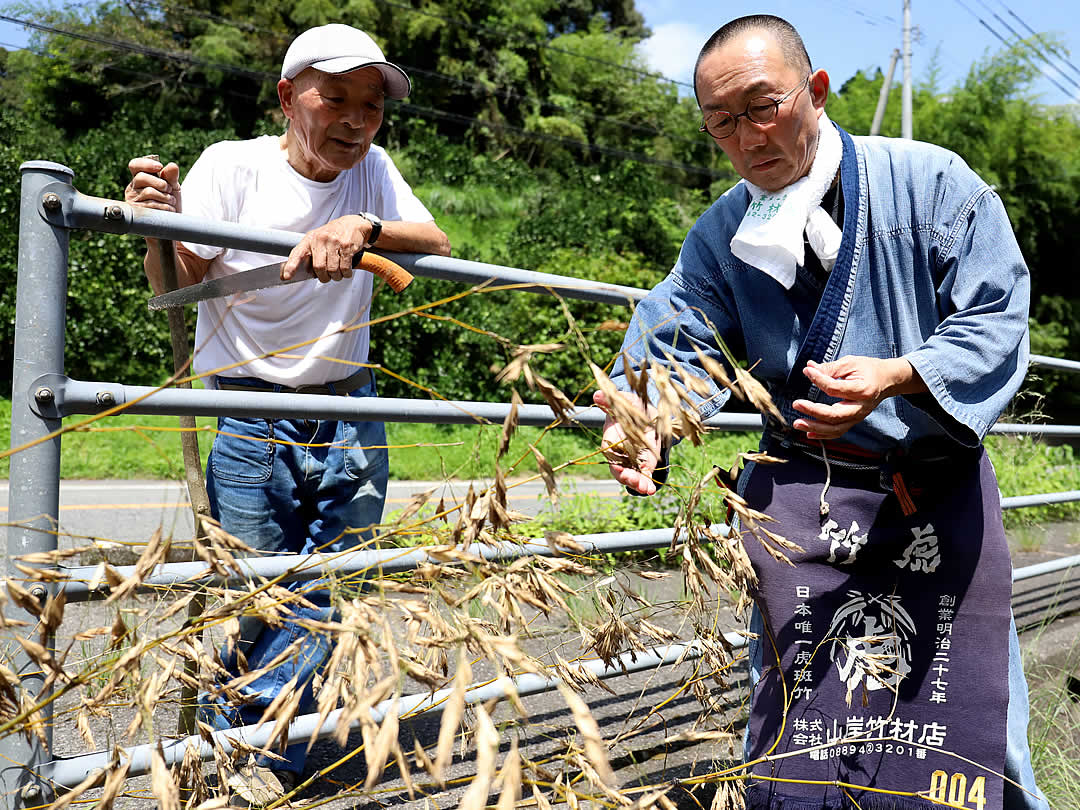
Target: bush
x: 110, y: 335
x: 456, y: 348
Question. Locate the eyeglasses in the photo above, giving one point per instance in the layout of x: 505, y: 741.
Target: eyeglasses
x: 760, y: 110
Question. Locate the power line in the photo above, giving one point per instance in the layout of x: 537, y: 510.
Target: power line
x: 867, y: 18
x: 1005, y: 42
x: 1049, y: 46
x: 413, y: 108
x: 1028, y: 45
x: 975, y: 14
x: 944, y: 57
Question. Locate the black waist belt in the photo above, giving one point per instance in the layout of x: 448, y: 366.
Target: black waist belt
x: 929, y: 451
x: 906, y: 472
x: 340, y: 388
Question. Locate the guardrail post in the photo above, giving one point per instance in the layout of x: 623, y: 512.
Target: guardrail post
x: 34, y: 489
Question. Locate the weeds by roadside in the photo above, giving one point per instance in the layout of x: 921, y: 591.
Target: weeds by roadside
x: 1054, y: 728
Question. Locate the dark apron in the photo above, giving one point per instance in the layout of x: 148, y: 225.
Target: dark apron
x: 892, y: 630
x: 885, y: 661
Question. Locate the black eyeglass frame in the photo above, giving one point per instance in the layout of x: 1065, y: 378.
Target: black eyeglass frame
x: 746, y: 113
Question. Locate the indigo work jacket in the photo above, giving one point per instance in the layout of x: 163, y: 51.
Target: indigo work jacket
x: 929, y: 270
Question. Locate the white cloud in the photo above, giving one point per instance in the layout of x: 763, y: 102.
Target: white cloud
x: 673, y: 49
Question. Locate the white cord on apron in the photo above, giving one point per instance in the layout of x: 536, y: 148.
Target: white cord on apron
x: 824, y: 507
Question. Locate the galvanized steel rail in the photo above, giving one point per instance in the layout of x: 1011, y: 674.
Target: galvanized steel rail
x: 69, y: 772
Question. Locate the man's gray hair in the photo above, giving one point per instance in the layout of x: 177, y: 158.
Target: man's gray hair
x: 791, y: 43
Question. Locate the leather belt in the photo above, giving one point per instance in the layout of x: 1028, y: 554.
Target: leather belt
x: 340, y: 388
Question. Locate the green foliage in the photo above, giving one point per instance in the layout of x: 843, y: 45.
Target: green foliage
x: 1054, y: 730
x: 573, y: 453
x: 125, y: 446
x: 109, y: 334
x: 586, y: 514
x: 207, y: 64
x: 622, y: 211
x: 620, y: 15
x: 579, y: 514
x: 1027, y: 466
x: 854, y: 105
x: 437, y: 452
x: 612, y: 227
x: 455, y: 349
x: 1054, y: 334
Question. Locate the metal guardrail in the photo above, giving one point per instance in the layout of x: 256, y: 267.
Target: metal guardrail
x: 42, y: 395
x: 1054, y: 362
x: 70, y: 771
x: 79, y: 583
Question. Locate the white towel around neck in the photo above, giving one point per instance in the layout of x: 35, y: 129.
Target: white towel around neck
x: 770, y: 236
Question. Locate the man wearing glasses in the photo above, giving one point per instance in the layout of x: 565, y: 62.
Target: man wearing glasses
x: 877, y: 289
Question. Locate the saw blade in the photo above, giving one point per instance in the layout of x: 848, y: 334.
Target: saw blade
x: 258, y: 278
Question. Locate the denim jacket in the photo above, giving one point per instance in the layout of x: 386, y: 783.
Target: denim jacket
x: 929, y: 270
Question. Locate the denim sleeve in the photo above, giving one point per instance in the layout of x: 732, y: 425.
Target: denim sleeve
x: 977, y: 357
x: 686, y: 310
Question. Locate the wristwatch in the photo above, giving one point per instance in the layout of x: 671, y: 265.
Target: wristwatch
x: 376, y: 228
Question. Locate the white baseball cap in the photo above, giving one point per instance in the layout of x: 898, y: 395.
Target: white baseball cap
x: 338, y: 48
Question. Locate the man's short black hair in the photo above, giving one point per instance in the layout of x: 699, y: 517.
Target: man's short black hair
x: 791, y: 43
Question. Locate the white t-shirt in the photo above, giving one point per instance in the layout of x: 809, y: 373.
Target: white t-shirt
x: 251, y: 182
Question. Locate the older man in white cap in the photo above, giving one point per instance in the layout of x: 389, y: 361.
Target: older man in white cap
x: 295, y: 485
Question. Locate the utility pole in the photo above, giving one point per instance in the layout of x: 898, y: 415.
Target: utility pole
x: 883, y: 98
x: 905, y: 115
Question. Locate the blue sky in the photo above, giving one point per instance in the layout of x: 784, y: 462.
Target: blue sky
x: 844, y: 36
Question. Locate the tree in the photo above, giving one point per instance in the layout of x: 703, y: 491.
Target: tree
x: 616, y: 15
x: 1028, y: 152
x: 210, y: 61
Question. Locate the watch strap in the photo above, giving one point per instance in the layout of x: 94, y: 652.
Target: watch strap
x: 376, y: 228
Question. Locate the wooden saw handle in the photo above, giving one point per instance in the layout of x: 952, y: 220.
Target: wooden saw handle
x: 391, y: 272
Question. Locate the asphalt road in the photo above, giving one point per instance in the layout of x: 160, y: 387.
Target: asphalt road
x: 131, y: 511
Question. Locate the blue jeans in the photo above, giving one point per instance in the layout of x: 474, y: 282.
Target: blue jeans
x: 292, y: 486
x: 1017, y: 754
